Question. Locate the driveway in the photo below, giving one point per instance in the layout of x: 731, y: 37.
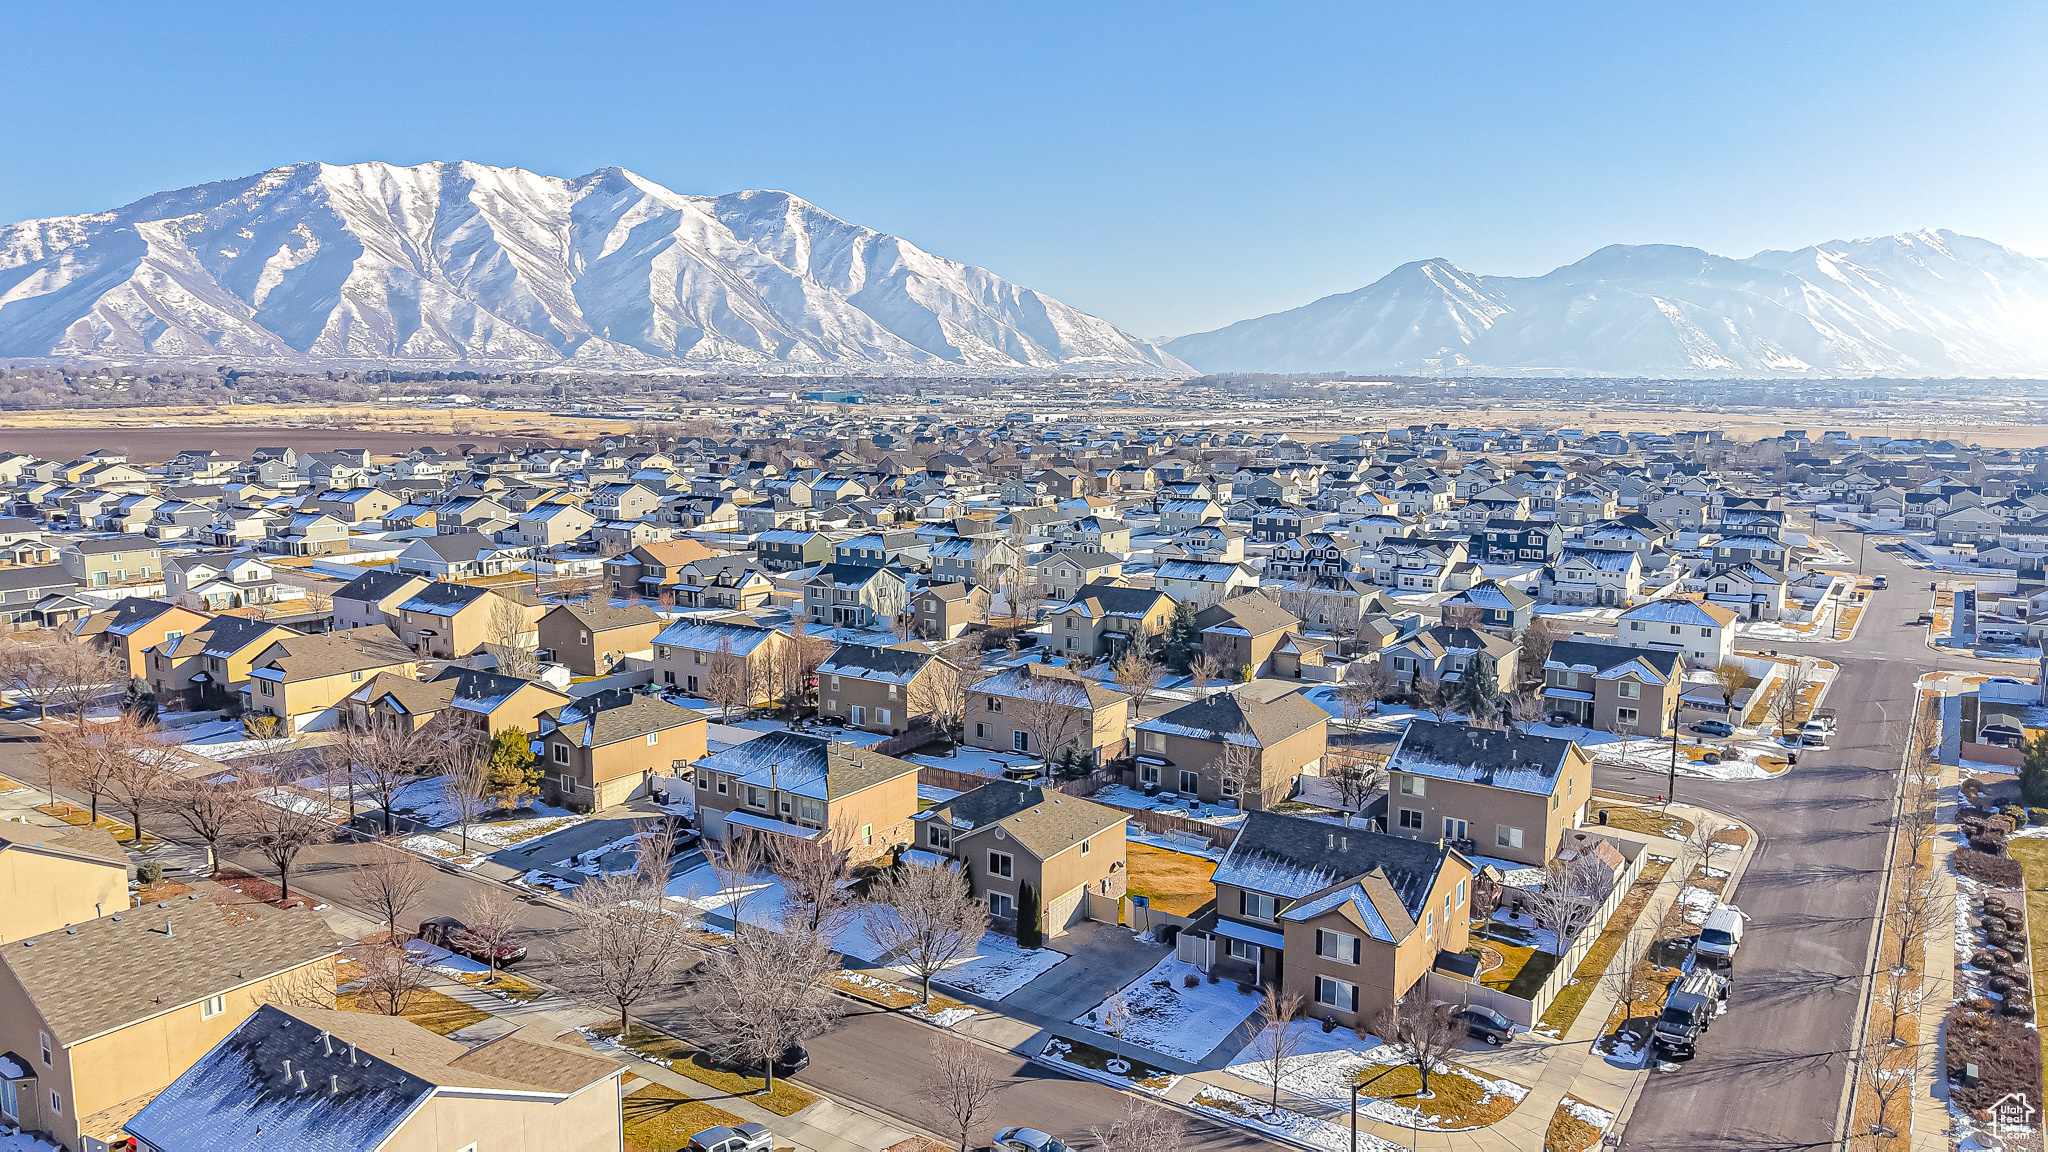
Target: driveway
x: 1101, y: 959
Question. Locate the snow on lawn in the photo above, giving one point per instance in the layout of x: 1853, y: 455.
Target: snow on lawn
x: 219, y: 740
x: 1698, y: 904
x: 427, y: 844
x: 23, y: 1142
x: 1652, y: 754
x: 1525, y: 931
x: 999, y: 967
x: 1121, y: 796
x: 427, y: 801
x: 1294, y: 1127
x: 1172, y: 1019
x: 1513, y: 873
x: 760, y: 900
x: 978, y: 761
x: 1326, y: 1064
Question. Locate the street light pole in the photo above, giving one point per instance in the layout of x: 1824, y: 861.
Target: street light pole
x: 1677, y: 696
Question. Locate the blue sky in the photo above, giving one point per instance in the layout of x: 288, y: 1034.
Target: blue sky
x: 1172, y: 167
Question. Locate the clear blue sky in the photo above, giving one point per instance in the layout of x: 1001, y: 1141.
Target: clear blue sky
x: 1172, y: 167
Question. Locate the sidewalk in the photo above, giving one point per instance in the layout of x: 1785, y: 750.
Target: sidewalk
x: 1937, y: 982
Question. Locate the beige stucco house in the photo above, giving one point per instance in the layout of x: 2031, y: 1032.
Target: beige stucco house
x: 1187, y: 750
x: 603, y: 749
x: 53, y: 877
x: 1009, y: 835
x: 1500, y: 792
x: 304, y: 680
x: 792, y: 784
x: 1048, y: 712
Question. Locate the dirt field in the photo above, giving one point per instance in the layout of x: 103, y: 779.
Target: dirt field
x: 153, y: 434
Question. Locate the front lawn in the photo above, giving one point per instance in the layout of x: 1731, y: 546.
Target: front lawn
x: 1459, y: 1098
x: 1515, y: 968
x: 2032, y: 853
x: 1646, y: 821
x: 661, y: 1048
x: 1173, y: 882
x: 1563, y: 1011
x: 434, y: 1011
x: 660, y: 1119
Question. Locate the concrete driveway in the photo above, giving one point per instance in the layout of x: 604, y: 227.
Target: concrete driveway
x: 1101, y: 959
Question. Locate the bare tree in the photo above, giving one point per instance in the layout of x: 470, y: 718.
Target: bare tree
x: 1900, y: 999
x: 1913, y: 911
x: 1053, y: 712
x: 390, y: 981
x: 765, y: 993
x: 1277, y: 1039
x: 1629, y: 979
x: 935, y: 919
x: 963, y: 1083
x: 736, y: 860
x: 941, y: 691
x: 390, y: 881
x: 1365, y: 684
x: 459, y: 754
x: 1240, y: 765
x: 139, y: 768
x: 654, y: 850
x: 1438, y: 698
x: 491, y: 923
x: 380, y: 760
x: 213, y: 810
x: 1422, y: 1032
x: 1729, y: 679
x: 1355, y: 777
x: 1523, y: 709
x: 279, y: 829
x: 1788, y: 703
x: 813, y: 874
x: 77, y: 759
x: 56, y: 670
x: 508, y: 637
x: 1564, y: 903
x: 624, y: 943
x: 1698, y: 849
x: 1887, y: 1075
x: 1143, y: 1127
x: 903, y: 626
x: 1535, y: 641
x: 728, y: 682
x: 1203, y: 669
x: 1137, y: 671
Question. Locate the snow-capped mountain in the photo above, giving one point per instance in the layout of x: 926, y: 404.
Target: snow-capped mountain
x: 458, y: 264
x: 1929, y: 303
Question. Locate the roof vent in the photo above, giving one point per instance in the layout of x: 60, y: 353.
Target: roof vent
x: 28, y: 943
x: 1333, y: 840
x: 163, y: 903
x: 287, y: 1069
x: 333, y: 1085
x: 70, y: 931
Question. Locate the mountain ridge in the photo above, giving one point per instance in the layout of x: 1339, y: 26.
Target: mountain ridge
x: 460, y: 264
x: 1925, y: 303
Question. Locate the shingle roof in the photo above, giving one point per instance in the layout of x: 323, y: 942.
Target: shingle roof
x: 1221, y: 715
x: 806, y: 765
x: 331, y: 653
x: 1294, y: 857
x: 440, y: 599
x: 84, y: 843
x: 1249, y: 611
x: 371, y: 587
x: 94, y: 977
x: 1043, y: 821
x: 599, y: 616
x: 606, y: 718
x: 1499, y: 759
x: 870, y: 662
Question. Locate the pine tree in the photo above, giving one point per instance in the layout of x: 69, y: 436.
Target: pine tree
x: 2034, y: 772
x: 1182, y: 637
x: 1478, y: 693
x: 515, y: 772
x: 1030, y: 932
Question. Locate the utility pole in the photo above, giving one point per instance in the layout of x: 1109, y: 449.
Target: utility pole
x: 1677, y: 694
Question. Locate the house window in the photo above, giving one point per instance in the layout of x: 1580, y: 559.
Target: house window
x: 981, y: 731
x: 1231, y: 788
x: 561, y: 753
x: 1001, y: 864
x: 1706, y: 632
x: 1429, y: 923
x: 756, y: 798
x: 1625, y: 716
x: 1339, y: 946
x: 1245, y: 951
x: 1411, y: 820
x: 1461, y: 893
x: 1635, y: 625
x: 1413, y: 786
x: 867, y: 833
x: 1086, y: 847
x: 1630, y: 690
x: 654, y: 737
x: 1021, y: 741
x: 45, y: 1036
x: 1190, y: 782
x: 704, y: 780
x: 721, y: 785
x: 1256, y: 906
x: 269, y: 689
x: 56, y: 1103
x: 1155, y: 742
x: 212, y: 1006
x: 881, y: 715
x: 1338, y: 994
x: 941, y: 837
x: 992, y: 704
x: 1148, y: 773
x: 1001, y: 906
x: 1506, y: 837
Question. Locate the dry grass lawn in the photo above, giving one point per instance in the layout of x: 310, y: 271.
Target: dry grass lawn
x: 1646, y: 821
x: 1567, y: 1132
x: 2032, y: 853
x: 786, y: 1099
x: 884, y: 993
x: 1455, y: 1101
x: 434, y: 1011
x: 660, y: 1119
x: 78, y: 817
x: 1174, y: 882
x: 1564, y: 1011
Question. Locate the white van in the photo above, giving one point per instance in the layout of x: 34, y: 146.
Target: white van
x: 1721, y: 935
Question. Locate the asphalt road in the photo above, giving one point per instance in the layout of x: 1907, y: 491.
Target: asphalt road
x: 1771, y: 1073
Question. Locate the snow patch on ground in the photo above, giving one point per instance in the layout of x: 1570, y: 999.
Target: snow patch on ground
x: 1283, y: 1124
x: 1174, y: 1020
x: 1698, y: 904
x: 998, y: 967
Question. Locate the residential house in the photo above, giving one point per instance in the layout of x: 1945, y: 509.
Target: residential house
x: 132, y: 626
x: 1060, y: 575
x: 459, y: 556
x: 1594, y: 577
x: 1444, y: 654
x: 591, y: 638
x: 887, y: 690
x: 1703, y: 632
x: 1518, y: 542
x: 689, y: 653
x: 51, y: 878
x: 644, y: 570
x: 1348, y: 920
x: 1241, y: 633
x: 943, y: 611
x: 89, y: 1039
x: 24, y: 590
x: 373, y: 598
x: 304, y: 680
x: 551, y: 526
x: 1234, y: 748
x: 1007, y: 836
x: 112, y: 561
x: 1202, y: 583
x: 451, y: 621
x: 1491, y: 605
x: 854, y: 596
x: 366, y: 1082
x: 1102, y: 619
x: 1510, y: 795
x: 604, y: 748
x: 355, y: 505
x: 1747, y: 590
x: 207, y: 667
x: 787, y: 549
x: 306, y: 534
x: 1052, y: 713
x: 737, y: 583
x: 485, y: 701
x: 803, y: 786
x: 1612, y: 687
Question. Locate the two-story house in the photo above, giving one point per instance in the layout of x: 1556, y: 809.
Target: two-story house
x: 1241, y: 633
x: 1594, y: 577
x: 1491, y: 605
x: 604, y: 748
x: 208, y: 667
x: 877, y: 689
x: 1232, y: 748
x: 1611, y: 687
x: 112, y: 561
x: 450, y: 621
x: 592, y: 638
x: 1102, y: 619
x: 1052, y: 713
x: 129, y: 629
x: 1011, y: 836
x: 793, y: 784
x: 943, y: 611
x: 304, y: 680
x: 1497, y: 792
x: 689, y: 652
x: 1445, y: 653
x: 373, y: 598
x: 1704, y: 633
x: 647, y: 568
x: 854, y: 596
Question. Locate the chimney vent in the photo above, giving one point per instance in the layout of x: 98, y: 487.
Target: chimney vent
x: 287, y: 1069
x: 1333, y: 840
x: 334, y: 1085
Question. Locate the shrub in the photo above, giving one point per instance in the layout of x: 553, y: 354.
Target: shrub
x: 2037, y: 815
x: 1998, y: 871
x: 1989, y: 842
x: 149, y: 871
x: 2015, y: 815
x: 2007, y: 1055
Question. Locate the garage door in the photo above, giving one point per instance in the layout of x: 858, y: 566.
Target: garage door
x: 1063, y: 912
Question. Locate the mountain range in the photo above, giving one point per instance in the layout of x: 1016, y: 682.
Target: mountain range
x: 1921, y: 304
x: 449, y: 265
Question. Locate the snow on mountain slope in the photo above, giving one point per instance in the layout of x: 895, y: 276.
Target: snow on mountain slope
x: 1929, y: 303
x: 466, y: 264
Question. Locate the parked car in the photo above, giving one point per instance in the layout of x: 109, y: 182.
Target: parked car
x: 748, y: 1137
x: 1714, y: 728
x: 1486, y: 1024
x: 448, y: 932
x: 1721, y: 935
x: 1877, y: 582
x: 1813, y: 734
x: 1026, y: 1140
x: 1688, y: 1011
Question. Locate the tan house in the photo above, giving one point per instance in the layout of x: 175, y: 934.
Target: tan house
x: 450, y: 621
x: 1231, y: 748
x: 1347, y: 919
x: 133, y: 626
x: 688, y: 652
x: 1611, y: 687
x: 54, y: 877
x: 1499, y: 793
x: 591, y: 638
x: 111, y: 561
x: 643, y: 570
x: 603, y: 749
x: 1102, y: 619
x: 304, y: 680
x: 1051, y: 713
x: 486, y: 701
x: 1011, y: 835
x: 207, y: 667
x: 97, y: 1017
x: 944, y: 611
x: 879, y: 689
x: 364, y: 1082
x: 1241, y: 633
x: 792, y: 784
x: 1443, y: 654
x: 373, y: 598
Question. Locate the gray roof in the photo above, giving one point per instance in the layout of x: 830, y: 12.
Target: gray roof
x: 806, y: 765
x: 373, y: 586
x: 605, y: 718
x: 1249, y: 611
x: 1294, y: 857
x: 870, y: 662
x: 1496, y: 758
x: 1220, y: 716
x: 1045, y: 822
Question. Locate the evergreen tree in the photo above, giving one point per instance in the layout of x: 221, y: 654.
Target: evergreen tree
x: 1478, y: 691
x: 1182, y: 637
x: 1030, y: 932
x: 515, y: 772
x: 2034, y: 772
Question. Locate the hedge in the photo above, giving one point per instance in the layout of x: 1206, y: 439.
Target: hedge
x: 2007, y: 1055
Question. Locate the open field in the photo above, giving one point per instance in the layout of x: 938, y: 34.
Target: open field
x: 160, y: 433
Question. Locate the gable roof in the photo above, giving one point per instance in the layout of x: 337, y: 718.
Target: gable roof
x: 1498, y: 759
x: 871, y: 662
x: 92, y: 844
x: 1045, y: 822
x: 806, y: 765
x: 331, y: 653
x: 599, y: 616
x: 1220, y: 716
x: 1294, y: 857
x: 605, y: 718
x: 1249, y: 611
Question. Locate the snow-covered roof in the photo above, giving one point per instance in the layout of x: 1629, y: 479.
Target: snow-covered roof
x: 1354, y: 895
